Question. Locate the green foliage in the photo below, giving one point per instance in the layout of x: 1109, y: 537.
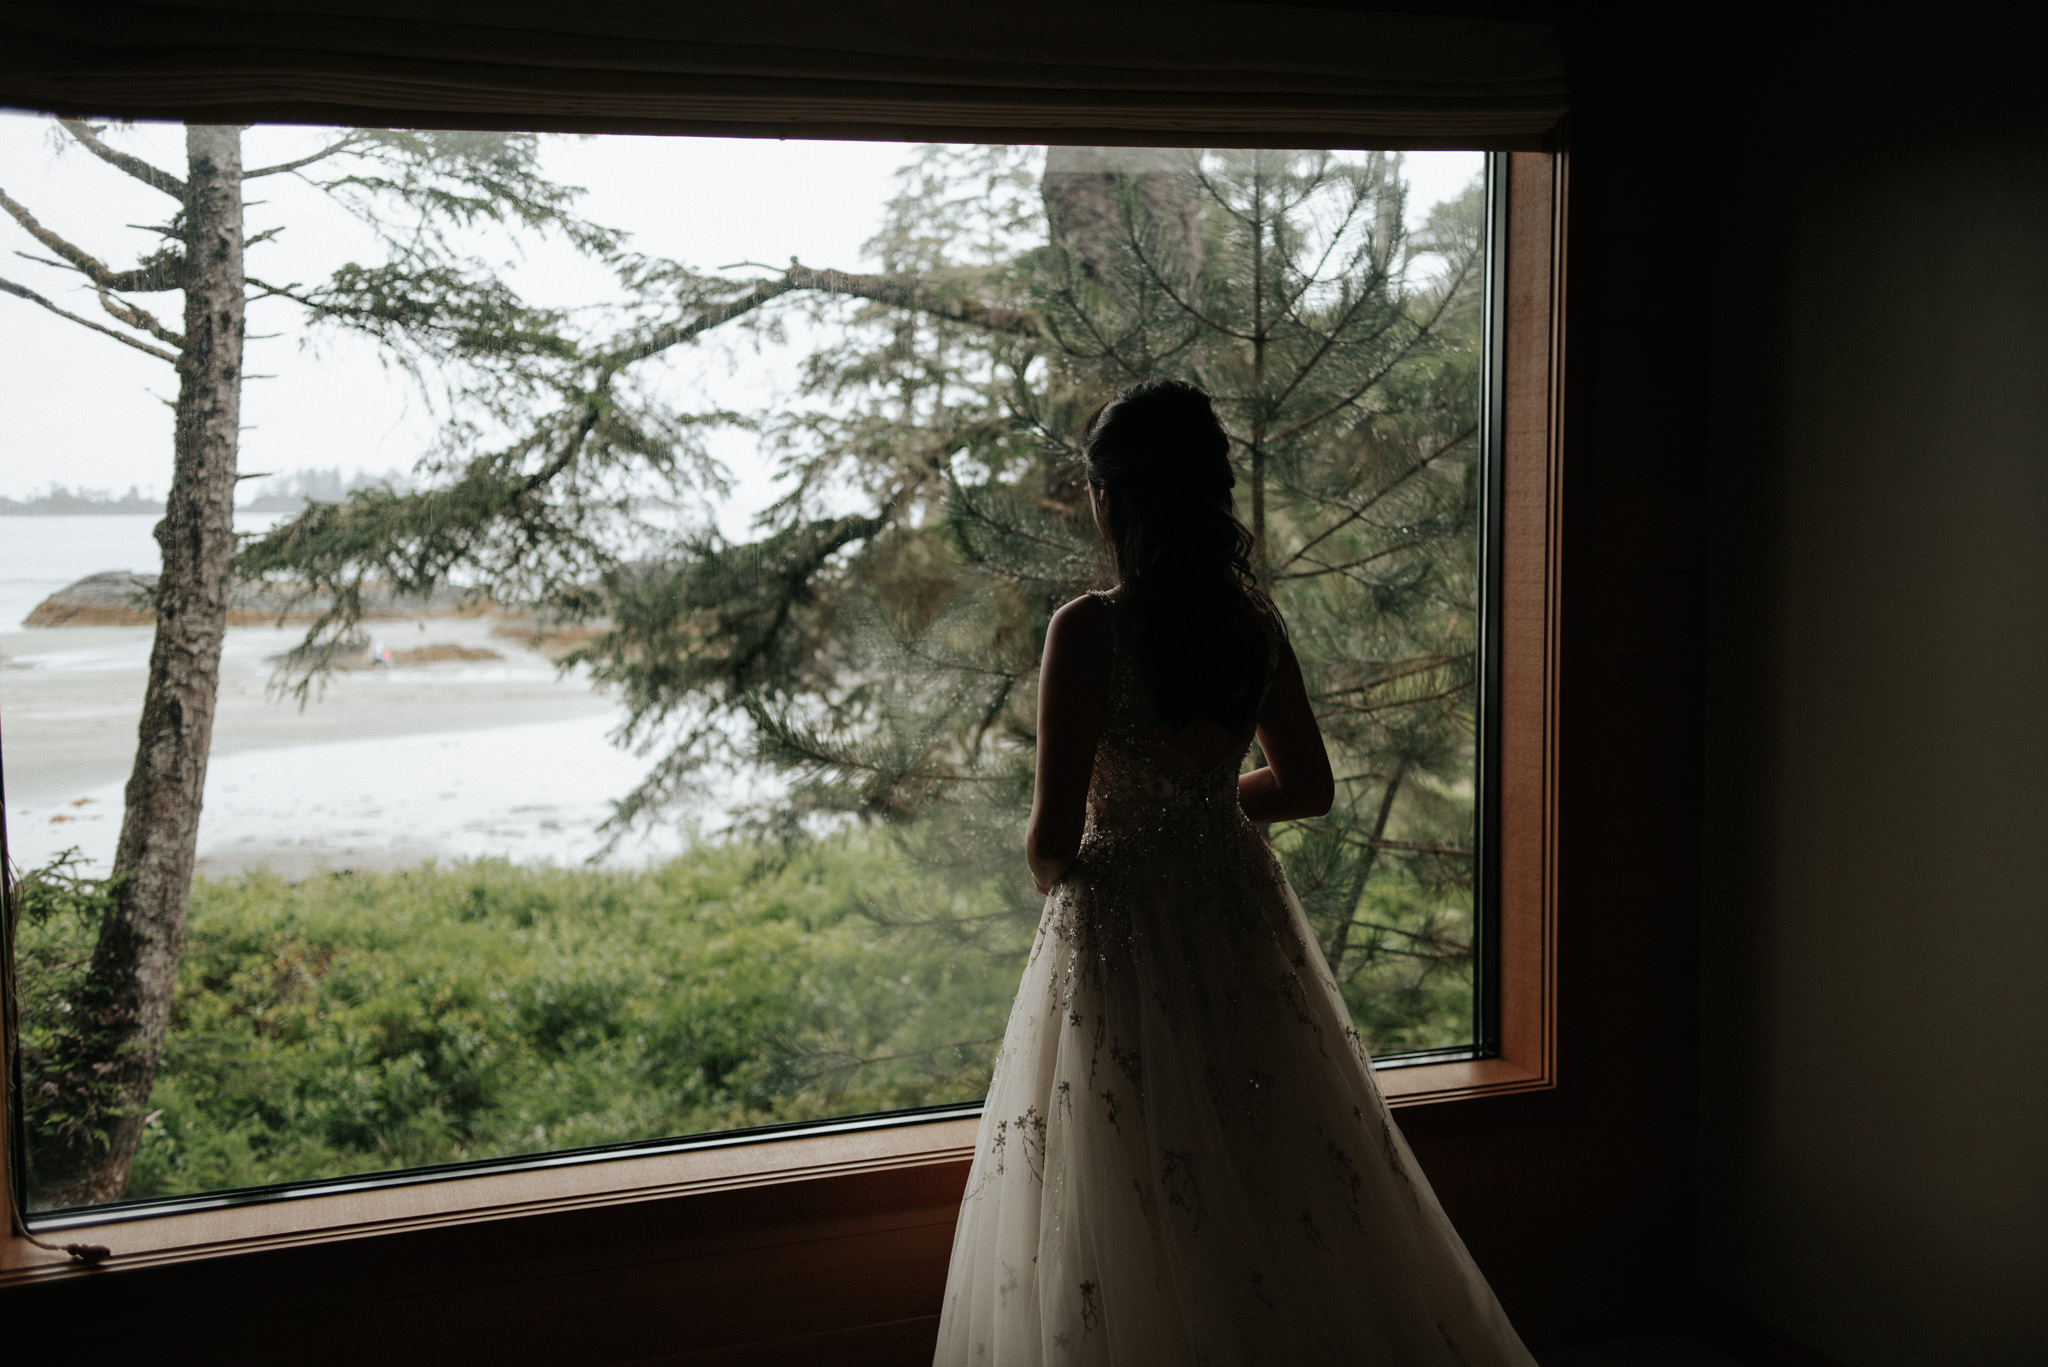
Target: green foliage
x: 1285, y: 284
x: 66, y: 1092
x: 874, y: 641
x: 883, y: 659
x: 347, y: 1024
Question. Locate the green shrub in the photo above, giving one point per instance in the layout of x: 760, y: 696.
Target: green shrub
x: 69, y: 1103
x: 356, y: 1023
x: 353, y: 1023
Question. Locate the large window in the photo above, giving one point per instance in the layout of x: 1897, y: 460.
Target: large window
x: 622, y: 727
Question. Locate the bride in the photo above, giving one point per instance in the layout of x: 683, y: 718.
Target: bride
x: 1185, y: 1158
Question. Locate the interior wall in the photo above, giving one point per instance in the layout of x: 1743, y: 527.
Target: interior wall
x: 1875, y: 1033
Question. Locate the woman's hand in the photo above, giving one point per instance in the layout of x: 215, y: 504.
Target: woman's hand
x: 1072, y: 682
x: 1046, y: 874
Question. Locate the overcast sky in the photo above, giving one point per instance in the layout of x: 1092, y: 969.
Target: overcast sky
x: 82, y: 410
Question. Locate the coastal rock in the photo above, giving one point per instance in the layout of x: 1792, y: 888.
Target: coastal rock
x: 111, y: 598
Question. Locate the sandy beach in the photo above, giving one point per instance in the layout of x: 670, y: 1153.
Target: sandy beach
x: 386, y: 767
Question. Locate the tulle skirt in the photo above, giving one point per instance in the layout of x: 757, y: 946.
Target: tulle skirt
x: 1185, y: 1158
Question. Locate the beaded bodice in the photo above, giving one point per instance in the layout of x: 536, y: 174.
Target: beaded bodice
x: 1143, y: 791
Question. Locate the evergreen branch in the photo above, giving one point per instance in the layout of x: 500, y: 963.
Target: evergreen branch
x: 1408, y: 669
x: 88, y: 138
x: 807, y: 747
x: 1067, y: 347
x: 1359, y: 196
x: 1368, y: 709
x: 412, y: 542
x: 160, y: 272
x: 1138, y: 251
x: 1334, y: 951
x: 139, y: 318
x: 1449, y: 953
x: 1383, y: 491
x: 1376, y: 273
x: 1009, y: 529
x: 355, y: 139
x: 1411, y: 847
x: 797, y: 577
x: 1329, y: 341
x: 997, y: 701
x: 891, y: 291
x: 676, y: 334
x: 23, y: 292
x: 579, y: 436
x: 960, y: 665
x: 912, y: 296
x: 717, y: 626
x: 667, y: 780
x: 1322, y: 569
x: 163, y: 271
x: 437, y: 310
x: 1222, y: 200
x: 265, y: 290
x: 451, y: 179
x: 1422, y: 330
x: 1335, y: 335
x: 1066, y: 295
x: 1448, y: 947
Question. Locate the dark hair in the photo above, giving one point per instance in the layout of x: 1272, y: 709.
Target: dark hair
x: 1159, y: 453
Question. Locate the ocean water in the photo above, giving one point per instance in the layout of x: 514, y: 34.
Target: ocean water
x: 39, y: 555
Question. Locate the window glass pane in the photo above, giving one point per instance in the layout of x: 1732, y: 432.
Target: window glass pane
x: 644, y: 547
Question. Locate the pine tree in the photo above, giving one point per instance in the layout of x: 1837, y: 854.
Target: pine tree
x: 876, y: 640
x: 1280, y: 282
x: 432, y: 308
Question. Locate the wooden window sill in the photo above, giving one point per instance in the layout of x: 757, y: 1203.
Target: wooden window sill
x: 1439, y: 1083
x: 936, y: 1151
x: 155, y: 1240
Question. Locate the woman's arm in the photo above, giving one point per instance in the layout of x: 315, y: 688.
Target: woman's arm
x: 1071, y: 683
x: 1296, y: 781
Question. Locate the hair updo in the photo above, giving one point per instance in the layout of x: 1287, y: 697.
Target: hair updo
x: 1160, y: 457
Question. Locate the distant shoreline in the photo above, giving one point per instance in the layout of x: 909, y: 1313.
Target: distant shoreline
x: 122, y: 507
x: 64, y: 504
x: 287, y: 493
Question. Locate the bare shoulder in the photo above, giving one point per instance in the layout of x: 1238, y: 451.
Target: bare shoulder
x: 1084, y: 618
x: 1080, y: 630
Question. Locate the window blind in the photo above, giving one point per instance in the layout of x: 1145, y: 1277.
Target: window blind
x: 1214, y: 72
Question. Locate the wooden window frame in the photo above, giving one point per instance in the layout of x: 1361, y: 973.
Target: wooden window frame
x: 916, y: 1167
x: 1531, y: 392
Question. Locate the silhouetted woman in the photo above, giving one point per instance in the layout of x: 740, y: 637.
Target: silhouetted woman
x: 1185, y: 1158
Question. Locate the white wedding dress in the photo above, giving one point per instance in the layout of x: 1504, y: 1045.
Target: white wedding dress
x: 1185, y: 1158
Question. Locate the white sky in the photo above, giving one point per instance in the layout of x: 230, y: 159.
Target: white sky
x: 82, y: 410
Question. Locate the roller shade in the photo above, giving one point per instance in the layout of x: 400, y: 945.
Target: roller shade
x: 1217, y: 72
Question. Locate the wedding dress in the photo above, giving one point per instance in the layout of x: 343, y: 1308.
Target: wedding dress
x: 1184, y: 1157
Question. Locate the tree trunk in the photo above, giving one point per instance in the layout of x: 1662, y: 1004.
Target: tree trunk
x: 1120, y: 214
x: 135, y: 964
x: 1084, y: 190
